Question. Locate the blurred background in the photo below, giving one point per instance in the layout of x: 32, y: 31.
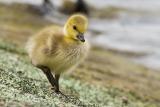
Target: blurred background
x: 126, y: 26
x: 124, y: 35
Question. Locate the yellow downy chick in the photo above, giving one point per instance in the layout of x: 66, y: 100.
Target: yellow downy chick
x: 59, y: 49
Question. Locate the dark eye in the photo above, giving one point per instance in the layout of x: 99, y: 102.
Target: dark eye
x: 74, y: 27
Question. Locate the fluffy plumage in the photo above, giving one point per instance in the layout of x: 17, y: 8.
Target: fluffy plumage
x: 59, y: 49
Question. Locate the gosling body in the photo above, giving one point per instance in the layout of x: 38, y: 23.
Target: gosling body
x: 57, y: 49
x: 51, y: 48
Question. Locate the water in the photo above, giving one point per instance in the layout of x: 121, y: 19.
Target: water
x: 126, y: 37
x: 137, y: 31
x: 150, y: 5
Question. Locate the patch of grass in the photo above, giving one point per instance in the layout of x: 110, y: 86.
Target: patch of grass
x: 11, y: 47
x: 23, y: 83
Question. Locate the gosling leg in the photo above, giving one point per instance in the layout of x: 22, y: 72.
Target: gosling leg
x: 53, y: 81
x: 57, y: 76
x: 48, y: 74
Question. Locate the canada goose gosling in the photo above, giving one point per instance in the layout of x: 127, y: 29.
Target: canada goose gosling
x: 56, y: 49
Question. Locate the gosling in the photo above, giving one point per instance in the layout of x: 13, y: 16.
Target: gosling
x: 57, y: 49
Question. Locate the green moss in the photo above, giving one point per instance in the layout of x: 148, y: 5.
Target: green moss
x: 22, y: 82
x: 11, y: 47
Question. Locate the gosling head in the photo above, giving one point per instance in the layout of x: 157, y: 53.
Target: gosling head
x: 75, y: 27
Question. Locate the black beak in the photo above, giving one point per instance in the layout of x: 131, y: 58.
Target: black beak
x: 81, y: 37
